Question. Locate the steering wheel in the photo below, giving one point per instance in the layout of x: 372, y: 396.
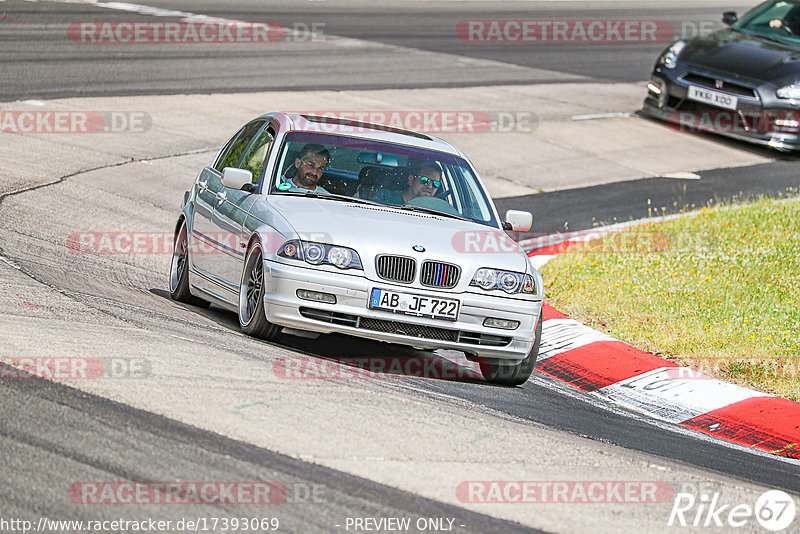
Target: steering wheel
x: 433, y: 203
x: 444, y: 195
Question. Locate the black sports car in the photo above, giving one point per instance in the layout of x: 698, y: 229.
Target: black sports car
x: 742, y: 81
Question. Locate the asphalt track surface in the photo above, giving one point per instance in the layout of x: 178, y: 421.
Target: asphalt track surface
x: 580, y: 209
x: 38, y: 64
x: 48, y: 450
x: 155, y: 446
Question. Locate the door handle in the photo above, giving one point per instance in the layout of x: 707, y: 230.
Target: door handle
x: 203, y: 185
x: 222, y: 196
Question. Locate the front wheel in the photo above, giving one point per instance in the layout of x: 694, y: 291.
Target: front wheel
x: 179, y: 271
x: 517, y: 374
x: 252, y: 318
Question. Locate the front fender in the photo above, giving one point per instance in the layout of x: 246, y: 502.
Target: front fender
x: 271, y: 240
x: 187, y: 214
x: 537, y: 277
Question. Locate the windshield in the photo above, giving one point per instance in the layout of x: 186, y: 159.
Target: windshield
x: 776, y: 20
x: 381, y: 173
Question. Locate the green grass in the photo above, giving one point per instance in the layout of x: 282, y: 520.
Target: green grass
x: 717, y: 291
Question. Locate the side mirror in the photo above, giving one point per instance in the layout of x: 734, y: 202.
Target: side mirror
x: 520, y: 221
x: 729, y: 18
x: 236, y: 178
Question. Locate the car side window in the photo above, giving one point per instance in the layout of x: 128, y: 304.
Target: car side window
x: 237, y: 147
x: 257, y: 155
x: 225, y: 150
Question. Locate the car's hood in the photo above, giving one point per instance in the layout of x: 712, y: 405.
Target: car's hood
x: 744, y: 56
x: 373, y: 230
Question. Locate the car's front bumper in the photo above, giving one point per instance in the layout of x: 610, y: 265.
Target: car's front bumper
x: 350, y: 315
x: 757, y: 119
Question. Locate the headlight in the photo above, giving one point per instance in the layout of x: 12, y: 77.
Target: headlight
x: 321, y: 253
x: 485, y: 278
x: 670, y: 58
x: 509, y: 282
x: 314, y: 253
x: 340, y: 256
x: 790, y: 92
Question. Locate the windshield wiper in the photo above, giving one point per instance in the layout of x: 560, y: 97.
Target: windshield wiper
x: 774, y: 38
x: 431, y: 211
x: 308, y: 193
x: 329, y: 196
x: 768, y: 36
x: 345, y: 198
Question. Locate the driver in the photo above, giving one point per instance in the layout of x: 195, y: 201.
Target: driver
x: 424, y: 179
x: 308, y: 168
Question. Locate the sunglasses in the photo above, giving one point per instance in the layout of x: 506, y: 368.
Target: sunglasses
x: 424, y: 180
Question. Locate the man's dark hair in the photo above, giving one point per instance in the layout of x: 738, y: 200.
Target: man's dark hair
x: 313, y: 148
x: 416, y: 166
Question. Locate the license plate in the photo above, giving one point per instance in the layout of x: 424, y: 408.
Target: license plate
x: 700, y: 94
x: 409, y: 304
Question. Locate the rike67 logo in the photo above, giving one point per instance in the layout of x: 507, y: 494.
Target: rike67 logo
x: 774, y: 510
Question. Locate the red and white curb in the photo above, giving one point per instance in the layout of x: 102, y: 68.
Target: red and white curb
x: 594, y: 362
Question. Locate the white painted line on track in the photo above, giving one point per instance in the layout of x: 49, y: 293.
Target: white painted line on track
x: 663, y: 393
x: 681, y: 176
x: 623, y: 410
x: 562, y: 335
x: 540, y: 261
x: 10, y: 263
x: 601, y: 116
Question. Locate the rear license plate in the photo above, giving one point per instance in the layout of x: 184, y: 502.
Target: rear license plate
x: 700, y: 94
x: 419, y: 305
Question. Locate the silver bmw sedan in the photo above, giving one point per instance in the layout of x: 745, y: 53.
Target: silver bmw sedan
x: 307, y: 225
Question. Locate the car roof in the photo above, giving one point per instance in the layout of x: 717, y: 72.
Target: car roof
x: 353, y: 128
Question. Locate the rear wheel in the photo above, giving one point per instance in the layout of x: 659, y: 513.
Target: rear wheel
x: 179, y: 271
x: 252, y: 318
x: 517, y: 374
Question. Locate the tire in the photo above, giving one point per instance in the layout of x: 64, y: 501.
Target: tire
x: 513, y: 375
x: 179, y: 271
x: 252, y: 319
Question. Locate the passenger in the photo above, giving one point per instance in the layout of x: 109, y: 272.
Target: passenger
x: 308, y: 168
x: 424, y: 179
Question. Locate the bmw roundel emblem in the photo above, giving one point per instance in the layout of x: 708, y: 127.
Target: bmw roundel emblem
x: 418, y: 248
